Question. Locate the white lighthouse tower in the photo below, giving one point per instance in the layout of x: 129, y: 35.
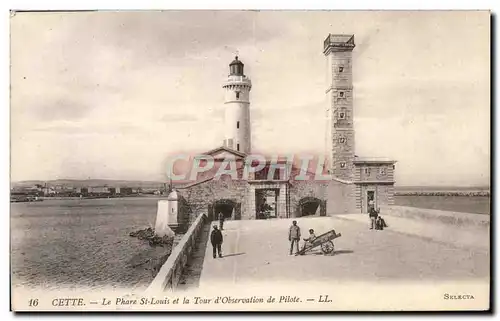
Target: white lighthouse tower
x: 237, y: 133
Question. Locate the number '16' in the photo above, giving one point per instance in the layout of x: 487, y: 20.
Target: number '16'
x: 33, y: 302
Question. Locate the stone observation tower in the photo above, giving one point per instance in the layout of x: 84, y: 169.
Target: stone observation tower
x: 339, y: 141
x: 237, y: 133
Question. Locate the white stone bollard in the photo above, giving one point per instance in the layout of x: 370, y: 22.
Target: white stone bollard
x: 166, y: 216
x: 162, y: 227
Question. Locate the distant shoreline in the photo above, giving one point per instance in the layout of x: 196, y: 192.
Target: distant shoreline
x: 98, y: 197
x: 65, y: 198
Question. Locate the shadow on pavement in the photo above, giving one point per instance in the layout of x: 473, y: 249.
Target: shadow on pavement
x: 235, y: 254
x: 342, y: 252
x: 332, y: 254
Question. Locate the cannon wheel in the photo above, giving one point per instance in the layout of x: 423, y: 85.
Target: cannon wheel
x: 327, y: 247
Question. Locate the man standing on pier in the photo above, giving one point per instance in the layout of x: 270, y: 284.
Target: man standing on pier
x: 216, y: 240
x: 373, y: 217
x: 294, y: 237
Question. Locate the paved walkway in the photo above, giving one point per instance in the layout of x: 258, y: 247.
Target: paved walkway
x: 259, y: 251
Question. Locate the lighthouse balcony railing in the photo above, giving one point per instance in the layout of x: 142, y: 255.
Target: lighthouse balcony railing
x: 238, y: 80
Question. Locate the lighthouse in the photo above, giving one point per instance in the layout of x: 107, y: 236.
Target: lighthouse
x: 237, y: 133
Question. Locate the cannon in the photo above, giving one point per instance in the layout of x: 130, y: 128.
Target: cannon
x: 324, y: 240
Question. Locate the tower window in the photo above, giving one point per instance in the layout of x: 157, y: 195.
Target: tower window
x: 341, y: 69
x: 237, y: 124
x: 342, y: 165
x: 237, y: 95
x: 367, y: 171
x: 341, y: 94
x: 341, y: 115
x: 342, y: 140
x: 238, y: 147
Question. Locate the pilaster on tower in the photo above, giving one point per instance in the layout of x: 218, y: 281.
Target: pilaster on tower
x: 340, y: 147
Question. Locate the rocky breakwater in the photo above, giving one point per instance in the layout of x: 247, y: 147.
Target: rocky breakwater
x: 158, y: 252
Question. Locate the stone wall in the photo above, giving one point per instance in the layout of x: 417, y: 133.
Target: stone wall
x: 170, y: 273
x: 375, y: 172
x: 343, y: 151
x: 302, y: 189
x: 336, y: 197
x: 341, y: 198
x: 384, y: 195
x: 184, y: 214
x: 201, y: 195
x: 340, y: 128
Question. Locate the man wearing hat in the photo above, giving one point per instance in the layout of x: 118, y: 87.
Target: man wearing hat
x: 309, y: 241
x: 216, y: 240
x: 294, y: 237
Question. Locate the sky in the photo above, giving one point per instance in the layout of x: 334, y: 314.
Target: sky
x: 112, y: 94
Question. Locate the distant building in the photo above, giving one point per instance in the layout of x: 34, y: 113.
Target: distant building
x: 27, y: 190
x: 126, y: 190
x: 49, y: 191
x: 99, y: 190
x: 149, y: 190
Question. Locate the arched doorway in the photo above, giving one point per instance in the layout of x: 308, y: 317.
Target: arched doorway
x: 311, y: 206
x: 229, y: 208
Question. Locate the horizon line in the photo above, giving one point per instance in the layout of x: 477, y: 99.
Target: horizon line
x: 167, y: 181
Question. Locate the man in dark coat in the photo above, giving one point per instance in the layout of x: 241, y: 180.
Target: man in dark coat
x: 373, y: 217
x: 216, y: 240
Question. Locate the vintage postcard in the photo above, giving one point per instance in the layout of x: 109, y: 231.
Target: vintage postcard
x: 250, y: 161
